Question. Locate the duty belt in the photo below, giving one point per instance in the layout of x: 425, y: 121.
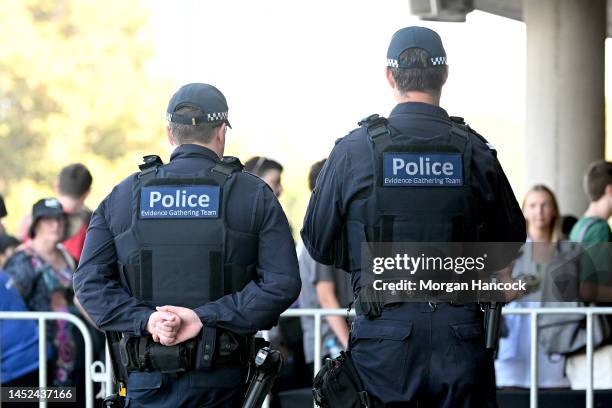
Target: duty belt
x: 143, y: 354
x: 371, y: 303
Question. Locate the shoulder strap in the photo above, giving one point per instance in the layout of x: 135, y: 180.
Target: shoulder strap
x: 378, y: 130
x: 585, y: 228
x: 225, y: 168
x: 459, y: 134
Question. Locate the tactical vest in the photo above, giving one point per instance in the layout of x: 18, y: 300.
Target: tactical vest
x: 421, y: 193
x: 179, y: 250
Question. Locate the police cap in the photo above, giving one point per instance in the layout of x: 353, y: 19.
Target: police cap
x: 416, y: 37
x: 208, y: 99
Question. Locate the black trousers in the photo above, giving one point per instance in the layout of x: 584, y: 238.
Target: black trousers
x: 214, y: 389
x: 422, y: 355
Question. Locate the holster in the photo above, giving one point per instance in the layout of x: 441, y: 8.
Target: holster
x: 369, y: 303
x: 113, y: 340
x: 337, y: 384
x: 492, y: 324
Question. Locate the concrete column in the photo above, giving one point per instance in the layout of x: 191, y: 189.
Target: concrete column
x: 565, y: 95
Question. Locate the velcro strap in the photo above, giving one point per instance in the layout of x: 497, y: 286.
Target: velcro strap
x: 217, y: 275
x: 146, y: 274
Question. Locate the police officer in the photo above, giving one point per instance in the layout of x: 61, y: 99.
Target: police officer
x: 184, y: 262
x: 374, y: 188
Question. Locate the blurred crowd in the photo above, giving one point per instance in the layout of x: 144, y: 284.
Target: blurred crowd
x: 36, y: 267
x: 37, y: 263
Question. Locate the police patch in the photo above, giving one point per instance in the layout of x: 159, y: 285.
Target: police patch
x: 193, y: 201
x: 422, y: 169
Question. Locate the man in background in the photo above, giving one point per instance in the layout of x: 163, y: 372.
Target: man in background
x: 593, y: 231
x: 72, y: 187
x: 327, y: 287
x: 268, y: 170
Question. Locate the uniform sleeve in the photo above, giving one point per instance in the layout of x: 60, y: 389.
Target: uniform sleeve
x: 503, y: 219
x: 323, y: 220
x: 322, y: 273
x: 259, y: 305
x: 96, y: 281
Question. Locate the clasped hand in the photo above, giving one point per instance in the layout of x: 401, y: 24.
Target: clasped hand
x: 171, y: 325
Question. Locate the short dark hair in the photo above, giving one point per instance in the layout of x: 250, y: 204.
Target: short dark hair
x: 426, y: 79
x: 200, y: 133
x: 597, y: 178
x: 259, y: 165
x: 315, y: 169
x: 74, y: 180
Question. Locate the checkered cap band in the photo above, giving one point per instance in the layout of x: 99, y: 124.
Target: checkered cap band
x: 438, y: 61
x: 216, y: 116
x: 196, y: 120
x: 393, y: 63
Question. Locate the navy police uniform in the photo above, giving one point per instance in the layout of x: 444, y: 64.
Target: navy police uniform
x: 198, y: 233
x: 418, y: 177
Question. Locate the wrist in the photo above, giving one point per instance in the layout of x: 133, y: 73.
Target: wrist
x: 140, y: 325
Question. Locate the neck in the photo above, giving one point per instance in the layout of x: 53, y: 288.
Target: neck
x: 598, y: 209
x: 539, y: 235
x: 212, y: 146
x: 70, y: 205
x: 432, y: 98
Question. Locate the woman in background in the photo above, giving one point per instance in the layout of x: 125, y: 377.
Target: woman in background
x: 42, y: 272
x: 538, y: 259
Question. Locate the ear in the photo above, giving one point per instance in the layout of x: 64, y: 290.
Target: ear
x: 169, y: 135
x: 390, y: 79
x: 608, y: 190
x: 221, y: 134
x: 445, y: 75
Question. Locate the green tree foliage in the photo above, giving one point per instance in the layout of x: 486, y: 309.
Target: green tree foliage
x: 74, y: 87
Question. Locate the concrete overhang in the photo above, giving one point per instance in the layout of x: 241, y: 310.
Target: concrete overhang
x: 456, y: 10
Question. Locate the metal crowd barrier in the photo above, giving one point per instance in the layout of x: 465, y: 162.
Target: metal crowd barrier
x: 42, y: 318
x: 533, y: 312
x: 99, y: 372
